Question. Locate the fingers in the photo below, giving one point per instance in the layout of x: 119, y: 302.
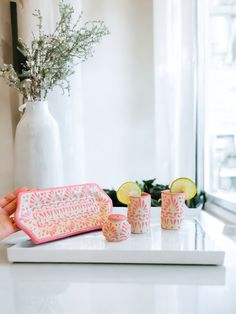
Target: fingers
x: 15, y: 228
x: 10, y: 197
x: 7, y: 199
x: 6, y: 226
x: 10, y: 208
x: 8, y: 204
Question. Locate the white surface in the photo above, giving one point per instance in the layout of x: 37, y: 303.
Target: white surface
x: 189, y: 245
x: 127, y: 289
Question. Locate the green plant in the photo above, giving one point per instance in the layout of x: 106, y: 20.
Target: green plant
x: 155, y: 189
x: 51, y: 58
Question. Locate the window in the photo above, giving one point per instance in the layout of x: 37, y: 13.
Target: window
x: 219, y: 97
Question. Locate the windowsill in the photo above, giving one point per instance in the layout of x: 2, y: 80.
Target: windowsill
x: 229, y: 199
x: 222, y: 207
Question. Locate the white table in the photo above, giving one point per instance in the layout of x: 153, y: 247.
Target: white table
x: 113, y: 289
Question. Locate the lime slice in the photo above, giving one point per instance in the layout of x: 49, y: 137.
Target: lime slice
x: 184, y: 185
x: 126, y: 189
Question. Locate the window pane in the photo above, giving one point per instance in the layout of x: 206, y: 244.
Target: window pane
x: 220, y: 99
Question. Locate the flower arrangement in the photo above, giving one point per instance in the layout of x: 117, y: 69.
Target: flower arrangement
x: 51, y: 58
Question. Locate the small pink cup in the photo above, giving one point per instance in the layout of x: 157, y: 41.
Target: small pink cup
x: 172, y: 210
x: 116, y: 228
x: 139, y: 213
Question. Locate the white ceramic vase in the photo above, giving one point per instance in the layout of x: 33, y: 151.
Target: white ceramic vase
x: 38, y: 156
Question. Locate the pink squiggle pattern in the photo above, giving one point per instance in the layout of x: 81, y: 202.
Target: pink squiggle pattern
x: 172, y: 211
x: 115, y: 231
x: 50, y: 214
x: 139, y: 213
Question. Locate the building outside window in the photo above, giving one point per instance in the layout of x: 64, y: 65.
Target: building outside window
x: 217, y: 46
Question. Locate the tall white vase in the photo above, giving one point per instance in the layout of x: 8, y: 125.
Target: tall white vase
x: 38, y: 156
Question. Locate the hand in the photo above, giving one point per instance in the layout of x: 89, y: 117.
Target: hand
x: 7, y: 208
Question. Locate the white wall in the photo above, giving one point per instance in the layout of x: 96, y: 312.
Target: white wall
x: 118, y: 94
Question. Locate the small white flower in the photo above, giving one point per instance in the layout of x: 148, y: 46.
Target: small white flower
x: 25, y: 84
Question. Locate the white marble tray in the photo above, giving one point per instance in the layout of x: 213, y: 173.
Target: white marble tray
x: 189, y: 245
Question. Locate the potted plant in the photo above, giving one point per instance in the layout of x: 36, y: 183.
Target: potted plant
x: 49, y: 61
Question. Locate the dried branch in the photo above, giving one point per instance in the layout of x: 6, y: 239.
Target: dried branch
x: 51, y: 58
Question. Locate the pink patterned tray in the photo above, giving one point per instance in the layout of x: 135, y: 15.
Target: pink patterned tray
x: 51, y: 214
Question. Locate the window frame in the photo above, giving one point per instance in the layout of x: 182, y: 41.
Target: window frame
x: 215, y: 204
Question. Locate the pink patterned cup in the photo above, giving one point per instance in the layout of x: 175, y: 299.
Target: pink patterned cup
x: 139, y: 213
x: 116, y: 228
x: 172, y: 210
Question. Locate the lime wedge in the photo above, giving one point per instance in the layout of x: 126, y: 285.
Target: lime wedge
x: 126, y: 189
x: 184, y: 185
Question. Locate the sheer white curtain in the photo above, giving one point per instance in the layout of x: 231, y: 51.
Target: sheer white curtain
x: 175, y: 87
x: 131, y: 112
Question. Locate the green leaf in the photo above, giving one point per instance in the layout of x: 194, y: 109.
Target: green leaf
x: 155, y: 189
